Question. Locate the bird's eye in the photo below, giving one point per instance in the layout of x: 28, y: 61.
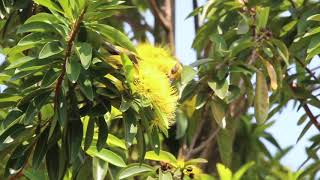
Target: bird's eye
x: 189, y: 169
x: 175, y: 69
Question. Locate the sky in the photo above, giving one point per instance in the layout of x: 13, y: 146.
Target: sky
x: 285, y: 128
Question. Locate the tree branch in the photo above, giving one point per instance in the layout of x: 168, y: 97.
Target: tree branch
x: 74, y: 31
x: 292, y: 4
x: 307, y: 69
x: 158, y: 13
x: 306, y: 108
x: 203, y: 144
x: 165, y: 15
x: 196, y: 17
x: 311, y: 116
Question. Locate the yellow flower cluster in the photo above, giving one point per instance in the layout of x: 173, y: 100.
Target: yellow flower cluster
x: 155, y: 66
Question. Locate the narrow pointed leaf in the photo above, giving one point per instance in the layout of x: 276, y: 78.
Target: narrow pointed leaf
x: 107, y: 156
x: 84, y: 51
x: 50, y: 49
x: 261, y: 99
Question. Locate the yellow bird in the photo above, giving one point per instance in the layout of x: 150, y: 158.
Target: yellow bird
x: 156, y: 56
x: 156, y: 68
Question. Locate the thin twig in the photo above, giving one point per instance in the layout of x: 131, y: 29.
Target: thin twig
x: 315, y: 68
x: 307, y: 110
x: 196, y: 17
x: 307, y: 69
x: 200, y: 126
x: 165, y: 15
x: 292, y: 4
x: 311, y: 116
x: 158, y: 13
x: 203, y: 144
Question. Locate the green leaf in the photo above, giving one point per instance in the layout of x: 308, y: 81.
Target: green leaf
x: 243, y: 27
x: 35, y: 38
x: 141, y: 144
x: 74, y: 130
x: 102, y: 133
x: 238, y: 175
x: 130, y: 127
x: 182, y: 123
x: 134, y: 169
x: 225, y: 145
x: 241, y: 45
x: 113, y: 36
x: 84, y: 51
x: 262, y: 17
x: 261, y: 99
x: 311, y: 32
x: 315, y: 17
x: 18, y: 62
x: 162, y: 156
x: 40, y: 149
x: 201, y: 100
x: 220, y: 88
x: 35, y: 174
x: 165, y: 176
x: 233, y: 93
x: 49, y: 78
x: 67, y: 8
x: 52, y: 162
x: 314, y: 44
x: 187, y: 74
x: 272, y: 74
x: 11, y: 135
x: 30, y: 114
x: 313, y: 47
x: 268, y: 52
x: 42, y: 17
x: 154, y: 140
x: 305, y: 129
x: 282, y: 50
x: 125, y: 104
x: 50, y: 5
x: 62, y: 109
x: 50, y: 49
x: 74, y: 134
x: 224, y: 172
x: 196, y: 161
x: 128, y: 68
x: 85, y: 86
x: 107, y: 156
x: 17, y: 161
x: 220, y: 48
x: 47, y: 111
x: 99, y: 168
x: 302, y: 119
x: 9, y: 97
x: 12, y: 116
x: 36, y: 27
x: 201, y: 62
x: 27, y: 98
x: 89, y: 134
x: 218, y: 109
x: 73, y: 69
x: 288, y: 27
x: 114, y: 141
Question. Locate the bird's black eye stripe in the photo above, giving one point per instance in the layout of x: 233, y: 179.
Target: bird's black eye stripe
x: 175, y: 69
